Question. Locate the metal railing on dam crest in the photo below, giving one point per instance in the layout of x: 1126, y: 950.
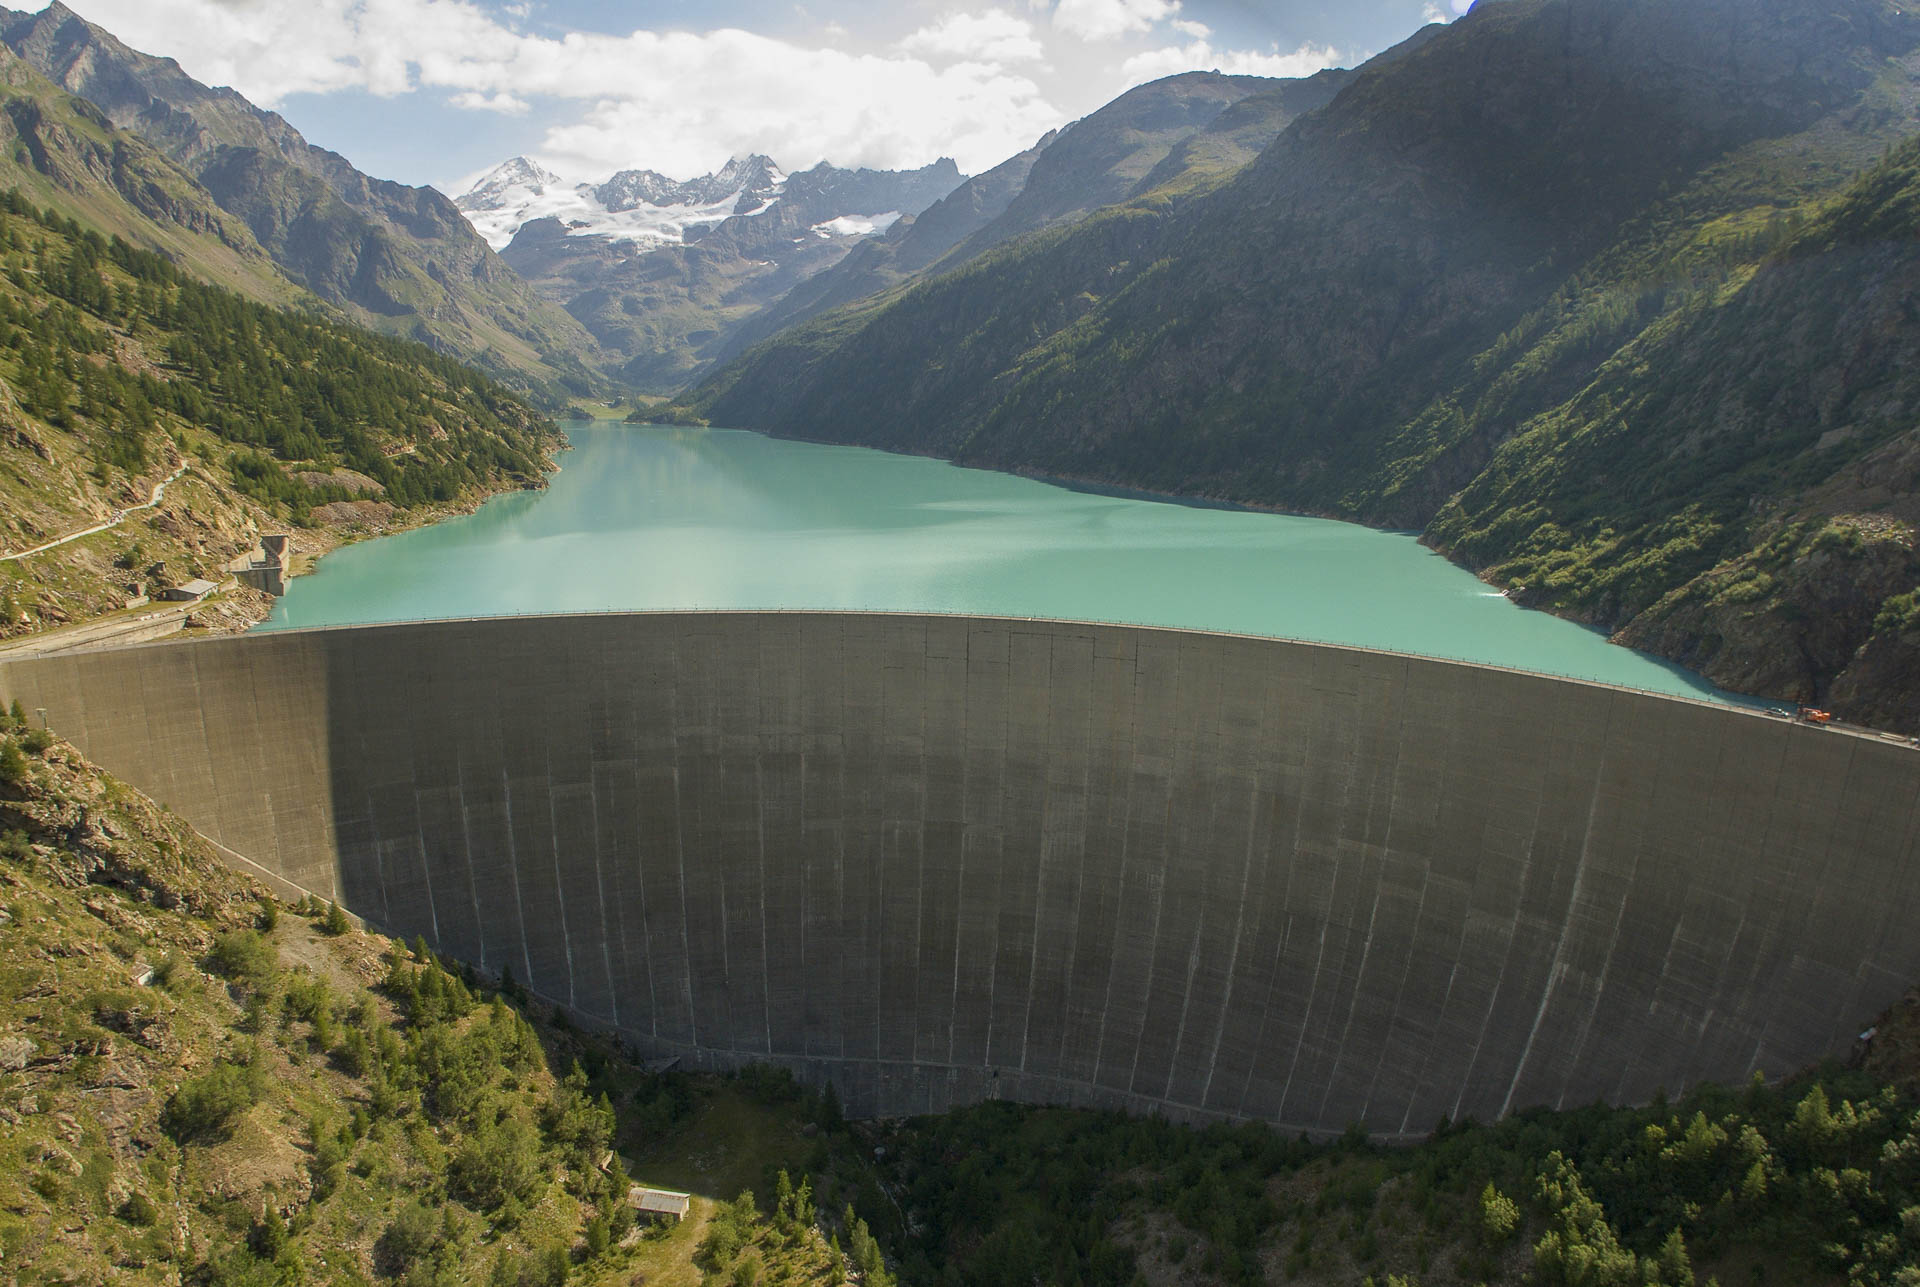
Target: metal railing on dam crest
x: 939, y: 859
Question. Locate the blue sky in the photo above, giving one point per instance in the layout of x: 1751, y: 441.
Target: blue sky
x: 437, y: 91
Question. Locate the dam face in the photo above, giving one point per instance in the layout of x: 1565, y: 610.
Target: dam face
x: 934, y: 860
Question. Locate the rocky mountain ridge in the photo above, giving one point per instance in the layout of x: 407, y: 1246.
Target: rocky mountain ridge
x: 1166, y: 134
x: 662, y: 271
x: 646, y: 209
x: 658, y: 210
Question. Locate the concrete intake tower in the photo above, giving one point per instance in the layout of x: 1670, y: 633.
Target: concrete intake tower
x: 940, y: 859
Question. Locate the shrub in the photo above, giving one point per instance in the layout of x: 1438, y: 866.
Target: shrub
x: 205, y: 1107
x: 768, y: 1084
x: 13, y: 765
x: 245, y: 955
x: 140, y: 1210
x: 411, y: 1237
x: 335, y: 921
x: 268, y: 1238
x: 1499, y: 1216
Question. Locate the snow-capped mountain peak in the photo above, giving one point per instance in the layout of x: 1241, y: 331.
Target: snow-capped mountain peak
x: 648, y: 210
x: 639, y: 206
x: 630, y: 188
x: 507, y: 179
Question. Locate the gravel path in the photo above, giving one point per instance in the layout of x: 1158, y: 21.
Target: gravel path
x: 159, y: 490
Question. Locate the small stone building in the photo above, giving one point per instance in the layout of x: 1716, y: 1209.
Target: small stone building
x: 192, y: 592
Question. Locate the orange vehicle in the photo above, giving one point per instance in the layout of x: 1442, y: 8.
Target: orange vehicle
x: 1813, y: 716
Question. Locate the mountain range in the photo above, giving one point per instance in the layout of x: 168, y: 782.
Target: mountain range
x: 662, y: 271
x: 638, y: 206
x: 1171, y: 133
x: 672, y: 276
x: 1605, y: 298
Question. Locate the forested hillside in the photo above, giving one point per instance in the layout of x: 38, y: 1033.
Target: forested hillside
x: 1517, y: 234
x: 1811, y: 1183
x: 118, y: 369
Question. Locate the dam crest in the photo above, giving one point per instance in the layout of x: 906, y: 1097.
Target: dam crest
x: 940, y: 859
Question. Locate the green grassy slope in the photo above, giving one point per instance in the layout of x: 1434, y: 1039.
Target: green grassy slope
x: 1736, y: 483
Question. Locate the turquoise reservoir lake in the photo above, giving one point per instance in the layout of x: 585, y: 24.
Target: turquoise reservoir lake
x: 647, y: 518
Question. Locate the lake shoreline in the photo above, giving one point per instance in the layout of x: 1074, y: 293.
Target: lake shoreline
x: 306, y: 561
x: 672, y: 517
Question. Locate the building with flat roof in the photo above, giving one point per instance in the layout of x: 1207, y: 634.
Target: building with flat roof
x: 660, y: 1204
x: 191, y: 592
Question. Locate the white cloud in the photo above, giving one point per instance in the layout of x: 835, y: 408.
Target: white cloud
x: 505, y: 104
x: 1199, y: 55
x: 267, y: 49
x: 679, y: 102
x: 732, y: 92
x: 995, y: 36
x: 1198, y: 30
x: 1110, y: 19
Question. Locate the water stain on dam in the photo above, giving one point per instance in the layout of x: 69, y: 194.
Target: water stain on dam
x: 931, y: 859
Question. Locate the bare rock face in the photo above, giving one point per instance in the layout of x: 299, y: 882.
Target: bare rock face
x: 15, y: 1052
x: 1801, y: 627
x: 1881, y: 686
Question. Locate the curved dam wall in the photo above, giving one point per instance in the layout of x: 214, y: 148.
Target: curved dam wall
x: 941, y: 859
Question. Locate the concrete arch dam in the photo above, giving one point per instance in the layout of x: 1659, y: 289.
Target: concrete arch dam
x: 941, y: 859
